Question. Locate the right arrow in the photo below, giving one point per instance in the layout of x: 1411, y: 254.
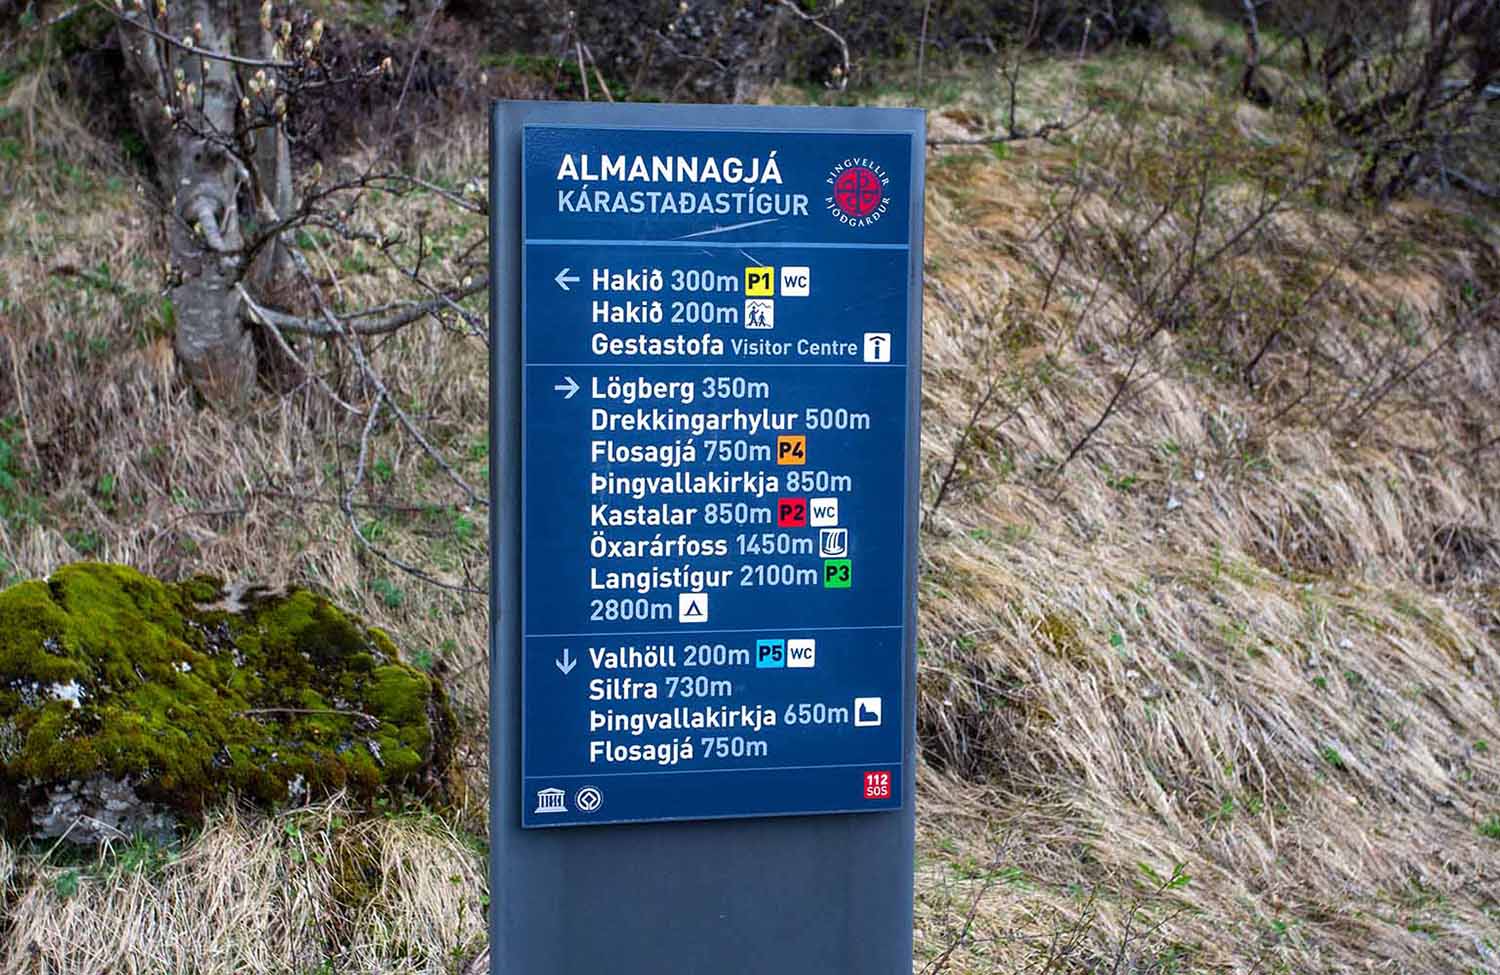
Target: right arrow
x: 567, y: 387
x: 567, y: 663
x: 564, y: 279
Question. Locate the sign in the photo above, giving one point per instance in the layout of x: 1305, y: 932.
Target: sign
x: 707, y: 362
x: 668, y: 455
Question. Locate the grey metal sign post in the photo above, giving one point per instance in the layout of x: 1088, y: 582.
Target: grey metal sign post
x: 705, y: 362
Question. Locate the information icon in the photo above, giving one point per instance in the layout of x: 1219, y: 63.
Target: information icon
x: 588, y: 799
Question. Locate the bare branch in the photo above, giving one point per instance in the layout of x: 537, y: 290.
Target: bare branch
x: 598, y: 75
x: 263, y: 316
x: 843, y: 45
x: 346, y: 324
x: 347, y: 504
x: 583, y: 75
x: 373, y: 378
x: 192, y: 48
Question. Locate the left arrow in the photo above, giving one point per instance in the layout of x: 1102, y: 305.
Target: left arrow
x: 567, y: 387
x: 567, y: 663
x: 564, y: 279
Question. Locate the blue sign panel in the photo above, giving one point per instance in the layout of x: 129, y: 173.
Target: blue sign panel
x: 715, y: 354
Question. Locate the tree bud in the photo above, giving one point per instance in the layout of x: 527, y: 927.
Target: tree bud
x: 317, y: 32
x: 386, y: 66
x: 265, y: 16
x: 245, y: 105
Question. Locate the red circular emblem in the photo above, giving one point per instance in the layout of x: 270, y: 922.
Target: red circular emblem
x: 857, y: 191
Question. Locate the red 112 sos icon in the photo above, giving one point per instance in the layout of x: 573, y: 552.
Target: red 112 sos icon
x: 878, y: 785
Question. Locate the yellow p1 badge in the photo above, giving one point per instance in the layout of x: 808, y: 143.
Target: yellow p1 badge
x: 760, y: 282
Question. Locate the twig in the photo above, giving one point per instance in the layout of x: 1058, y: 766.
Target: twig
x: 687, y: 56
x: 437, y: 6
x: 347, y: 504
x: 598, y: 75
x: 922, y: 46
x: 1466, y: 182
x: 193, y: 49
x: 446, y: 194
x: 1151, y: 302
x: 371, y: 376
x: 583, y: 75
x: 991, y: 876
x: 370, y: 718
x: 958, y: 448
x: 352, y: 324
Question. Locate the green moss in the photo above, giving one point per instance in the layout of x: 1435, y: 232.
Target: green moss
x: 203, y: 589
x: 106, y: 671
x: 1060, y: 635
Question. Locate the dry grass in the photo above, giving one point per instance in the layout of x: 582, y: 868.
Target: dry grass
x: 1224, y: 637
x: 1209, y: 641
x: 304, y: 893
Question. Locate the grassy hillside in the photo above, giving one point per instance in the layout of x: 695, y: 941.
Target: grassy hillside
x: 1210, y: 592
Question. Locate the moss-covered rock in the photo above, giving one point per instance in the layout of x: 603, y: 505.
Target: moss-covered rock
x: 131, y: 704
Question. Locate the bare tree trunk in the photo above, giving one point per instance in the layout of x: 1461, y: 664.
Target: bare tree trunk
x: 188, y: 107
x: 1252, y: 49
x: 271, y: 169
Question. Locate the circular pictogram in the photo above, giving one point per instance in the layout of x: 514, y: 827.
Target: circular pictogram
x: 857, y: 191
x: 588, y: 799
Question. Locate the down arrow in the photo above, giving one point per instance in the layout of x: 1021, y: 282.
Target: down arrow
x: 567, y: 663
